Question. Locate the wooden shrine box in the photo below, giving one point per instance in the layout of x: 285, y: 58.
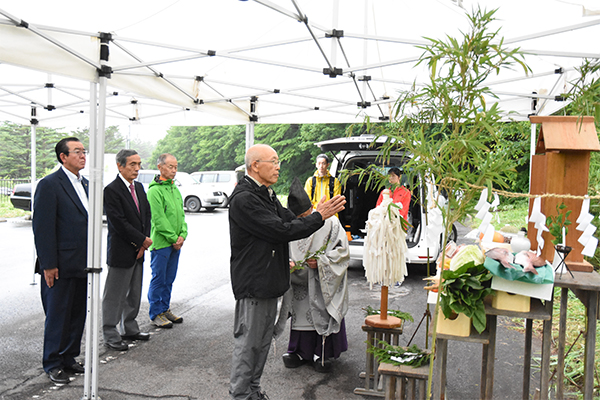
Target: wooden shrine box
x: 561, y: 165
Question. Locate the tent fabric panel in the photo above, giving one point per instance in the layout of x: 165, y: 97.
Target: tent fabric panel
x: 157, y: 88
x: 24, y: 48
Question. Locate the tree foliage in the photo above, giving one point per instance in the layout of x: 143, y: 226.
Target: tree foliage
x: 15, y: 153
x: 455, y: 136
x: 223, y: 147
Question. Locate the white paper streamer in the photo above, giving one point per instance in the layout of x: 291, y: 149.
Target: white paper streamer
x: 585, y: 210
x: 485, y: 223
x: 488, y: 236
x: 436, y: 225
x: 587, y: 238
x: 496, y: 201
x: 587, y: 234
x: 385, y: 246
x: 539, y: 221
x: 483, y: 207
x: 482, y: 199
x: 590, y: 248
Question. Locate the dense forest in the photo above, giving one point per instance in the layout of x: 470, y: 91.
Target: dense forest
x: 212, y: 148
x: 15, y: 152
x: 223, y: 147
x: 208, y: 148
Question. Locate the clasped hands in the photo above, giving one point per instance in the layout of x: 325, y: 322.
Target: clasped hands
x: 145, y: 246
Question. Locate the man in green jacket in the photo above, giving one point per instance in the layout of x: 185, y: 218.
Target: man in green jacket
x: 168, y: 233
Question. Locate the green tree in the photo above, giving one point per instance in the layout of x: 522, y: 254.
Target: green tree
x: 447, y: 125
x: 455, y: 137
x: 223, y: 147
x: 144, y: 149
x: 113, y: 139
x: 513, y: 143
x: 15, y: 152
x: 179, y: 142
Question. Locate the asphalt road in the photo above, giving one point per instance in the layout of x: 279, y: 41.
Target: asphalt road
x: 192, y: 360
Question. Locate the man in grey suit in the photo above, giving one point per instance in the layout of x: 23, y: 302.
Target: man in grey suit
x: 128, y: 216
x: 60, y: 223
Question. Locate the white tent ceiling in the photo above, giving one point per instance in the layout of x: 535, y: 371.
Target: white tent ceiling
x: 201, y: 62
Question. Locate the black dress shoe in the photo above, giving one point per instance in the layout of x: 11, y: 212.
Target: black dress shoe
x: 118, y: 346
x: 292, y: 360
x: 77, y: 368
x: 57, y: 375
x: 137, y: 336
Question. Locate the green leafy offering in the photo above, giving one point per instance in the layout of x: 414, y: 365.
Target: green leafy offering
x: 298, y: 265
x: 464, y: 291
x: 557, y: 223
x: 397, y: 355
x: 394, y: 313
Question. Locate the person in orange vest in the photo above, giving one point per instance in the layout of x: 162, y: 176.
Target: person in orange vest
x: 399, y: 194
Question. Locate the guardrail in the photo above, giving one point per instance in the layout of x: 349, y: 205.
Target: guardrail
x: 6, y: 188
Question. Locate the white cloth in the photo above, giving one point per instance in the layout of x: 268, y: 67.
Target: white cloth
x: 385, y: 246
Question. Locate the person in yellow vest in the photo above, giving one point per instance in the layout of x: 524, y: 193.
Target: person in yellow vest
x: 322, y: 183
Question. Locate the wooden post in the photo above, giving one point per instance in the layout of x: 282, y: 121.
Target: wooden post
x: 383, y: 320
x: 384, y: 302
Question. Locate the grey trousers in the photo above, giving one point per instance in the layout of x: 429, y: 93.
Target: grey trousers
x: 252, y: 335
x: 121, y: 302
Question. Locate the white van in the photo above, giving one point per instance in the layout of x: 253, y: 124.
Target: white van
x: 223, y: 181
x: 194, y: 195
x: 358, y: 152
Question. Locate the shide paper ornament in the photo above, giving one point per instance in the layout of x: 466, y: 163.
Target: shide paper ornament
x: 539, y: 221
x: 587, y: 239
x: 483, y: 213
x: 385, y: 255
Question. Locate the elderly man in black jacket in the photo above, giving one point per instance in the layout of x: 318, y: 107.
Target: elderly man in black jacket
x: 128, y: 217
x: 260, y: 229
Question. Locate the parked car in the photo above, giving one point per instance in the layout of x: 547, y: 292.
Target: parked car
x: 224, y: 181
x: 21, y: 196
x: 194, y: 195
x: 353, y: 152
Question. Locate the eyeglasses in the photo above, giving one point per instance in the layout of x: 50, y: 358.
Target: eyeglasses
x: 276, y: 163
x: 78, y: 152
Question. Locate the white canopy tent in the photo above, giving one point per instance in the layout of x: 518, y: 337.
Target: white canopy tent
x: 215, y: 62
x: 203, y: 62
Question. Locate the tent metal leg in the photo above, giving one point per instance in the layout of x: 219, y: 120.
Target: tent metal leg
x: 97, y: 125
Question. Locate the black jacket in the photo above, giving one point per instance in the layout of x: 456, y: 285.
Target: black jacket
x: 127, y: 228
x: 260, y: 229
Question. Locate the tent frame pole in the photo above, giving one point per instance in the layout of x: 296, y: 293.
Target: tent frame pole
x: 97, y: 127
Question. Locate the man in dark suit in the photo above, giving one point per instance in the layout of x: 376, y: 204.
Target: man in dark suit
x: 60, y: 223
x: 128, y: 216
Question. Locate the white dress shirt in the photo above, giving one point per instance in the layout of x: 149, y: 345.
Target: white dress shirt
x: 76, y: 181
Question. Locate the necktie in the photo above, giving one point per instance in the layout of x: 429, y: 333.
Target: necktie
x: 132, y: 188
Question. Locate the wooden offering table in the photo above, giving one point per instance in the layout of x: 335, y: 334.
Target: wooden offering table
x: 538, y: 311
x: 412, y: 381
x: 488, y: 340
x: 586, y: 286
x: 373, y: 385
